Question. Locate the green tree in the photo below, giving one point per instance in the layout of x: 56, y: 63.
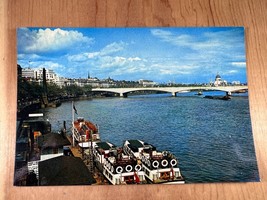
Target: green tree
x: 54, y: 91
x: 28, y: 90
x: 87, y: 89
x: 73, y: 90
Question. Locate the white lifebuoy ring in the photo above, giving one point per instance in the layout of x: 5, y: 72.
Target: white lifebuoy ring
x: 137, y: 168
x: 164, y: 153
x: 173, y: 162
x: 164, y: 163
x: 155, y: 164
x: 129, y: 168
x: 119, y: 169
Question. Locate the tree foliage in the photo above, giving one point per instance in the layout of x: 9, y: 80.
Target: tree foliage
x: 28, y: 91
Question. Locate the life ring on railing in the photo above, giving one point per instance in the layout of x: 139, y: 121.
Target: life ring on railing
x: 129, y: 168
x: 119, y: 169
x: 164, y: 163
x: 155, y: 164
x: 164, y: 153
x: 173, y: 162
x: 137, y: 168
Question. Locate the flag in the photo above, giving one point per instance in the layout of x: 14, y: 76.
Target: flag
x: 137, y: 179
x: 75, y: 109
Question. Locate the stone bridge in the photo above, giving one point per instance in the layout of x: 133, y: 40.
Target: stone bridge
x: 173, y: 90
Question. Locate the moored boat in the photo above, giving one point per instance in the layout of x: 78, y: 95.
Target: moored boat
x: 117, y: 167
x: 85, y: 132
x: 227, y: 97
x: 159, y: 167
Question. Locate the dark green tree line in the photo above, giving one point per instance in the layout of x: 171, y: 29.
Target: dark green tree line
x: 28, y: 91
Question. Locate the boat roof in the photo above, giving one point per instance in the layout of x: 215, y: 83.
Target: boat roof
x: 104, y: 145
x: 135, y: 143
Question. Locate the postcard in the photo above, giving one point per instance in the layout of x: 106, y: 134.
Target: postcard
x: 119, y: 106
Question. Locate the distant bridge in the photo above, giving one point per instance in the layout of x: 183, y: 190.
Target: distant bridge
x: 173, y: 90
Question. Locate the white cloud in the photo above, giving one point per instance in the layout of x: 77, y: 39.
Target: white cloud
x: 28, y: 57
x: 77, y: 58
x: 93, y: 54
x: 47, y: 40
x: 239, y: 64
x: 167, y: 36
x: 118, y: 61
x: 47, y: 65
x: 208, y: 41
x: 106, y: 51
x: 229, y: 72
x: 173, y: 69
x: 113, y: 48
x: 134, y: 59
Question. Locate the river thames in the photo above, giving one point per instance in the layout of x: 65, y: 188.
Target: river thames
x: 212, y: 139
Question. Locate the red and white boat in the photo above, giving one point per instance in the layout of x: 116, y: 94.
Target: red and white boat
x: 159, y: 167
x: 85, y: 133
x: 117, y: 167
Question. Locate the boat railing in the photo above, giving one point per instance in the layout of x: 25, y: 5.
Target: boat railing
x: 76, y: 135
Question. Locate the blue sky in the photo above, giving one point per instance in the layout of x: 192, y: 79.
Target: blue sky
x: 180, y: 55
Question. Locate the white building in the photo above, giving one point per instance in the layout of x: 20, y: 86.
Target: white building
x: 50, y: 74
x: 28, y: 73
x: 147, y: 83
x: 60, y: 81
x: 236, y: 83
x: 37, y: 74
x: 219, y: 82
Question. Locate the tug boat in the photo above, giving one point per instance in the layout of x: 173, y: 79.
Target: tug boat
x: 85, y: 133
x: 117, y: 167
x: 159, y: 167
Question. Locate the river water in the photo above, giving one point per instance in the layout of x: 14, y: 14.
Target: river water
x: 212, y: 139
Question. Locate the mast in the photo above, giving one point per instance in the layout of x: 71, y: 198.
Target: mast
x: 44, y: 94
x: 73, y: 124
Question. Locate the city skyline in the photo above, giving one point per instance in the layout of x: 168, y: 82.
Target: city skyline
x: 181, y: 55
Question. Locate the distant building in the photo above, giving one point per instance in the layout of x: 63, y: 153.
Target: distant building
x: 147, y: 83
x: 50, y: 74
x: 235, y: 83
x: 60, y: 81
x: 219, y: 82
x: 28, y: 73
x: 37, y: 74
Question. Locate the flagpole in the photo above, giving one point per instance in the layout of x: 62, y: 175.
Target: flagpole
x: 72, y: 123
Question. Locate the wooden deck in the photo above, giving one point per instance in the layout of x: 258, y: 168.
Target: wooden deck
x: 98, y: 176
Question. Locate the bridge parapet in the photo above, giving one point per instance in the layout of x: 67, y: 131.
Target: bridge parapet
x: 173, y: 90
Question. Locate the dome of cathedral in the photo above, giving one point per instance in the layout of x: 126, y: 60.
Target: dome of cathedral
x: 217, y: 76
